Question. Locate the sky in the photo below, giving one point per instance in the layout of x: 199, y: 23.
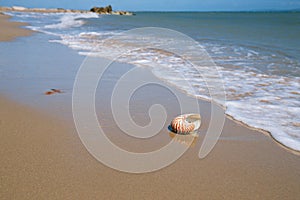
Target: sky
x: 161, y: 5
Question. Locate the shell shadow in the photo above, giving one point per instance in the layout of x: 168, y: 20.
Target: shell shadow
x: 189, y: 139
x: 170, y: 128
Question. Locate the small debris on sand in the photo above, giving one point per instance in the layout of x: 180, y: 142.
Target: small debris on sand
x: 53, y: 91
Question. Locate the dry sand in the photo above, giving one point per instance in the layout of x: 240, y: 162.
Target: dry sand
x: 10, y: 30
x: 43, y: 158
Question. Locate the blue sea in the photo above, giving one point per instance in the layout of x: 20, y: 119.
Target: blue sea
x: 256, y: 53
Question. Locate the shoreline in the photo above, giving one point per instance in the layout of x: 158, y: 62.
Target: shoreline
x: 262, y: 131
x: 266, y: 133
x: 42, y: 156
x: 14, y: 30
x: 11, y: 30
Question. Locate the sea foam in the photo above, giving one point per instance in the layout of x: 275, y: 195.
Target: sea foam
x: 71, y: 20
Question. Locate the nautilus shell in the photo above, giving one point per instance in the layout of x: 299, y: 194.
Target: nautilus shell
x: 186, y: 124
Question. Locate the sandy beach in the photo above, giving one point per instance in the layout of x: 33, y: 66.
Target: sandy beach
x: 10, y: 30
x: 42, y: 157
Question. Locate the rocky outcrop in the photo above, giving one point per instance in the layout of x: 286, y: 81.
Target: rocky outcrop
x: 108, y: 10
x: 102, y: 10
x: 5, y: 8
x: 18, y: 8
x: 122, y: 13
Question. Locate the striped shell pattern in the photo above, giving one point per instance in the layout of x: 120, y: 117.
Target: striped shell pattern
x: 181, y: 125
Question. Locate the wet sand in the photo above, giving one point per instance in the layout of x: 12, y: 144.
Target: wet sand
x: 10, y: 30
x: 42, y: 157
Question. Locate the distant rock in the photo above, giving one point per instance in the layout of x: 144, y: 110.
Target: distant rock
x: 43, y: 10
x: 102, y: 10
x: 39, y: 9
x: 122, y: 13
x: 18, y: 8
x: 5, y: 8
x: 108, y: 10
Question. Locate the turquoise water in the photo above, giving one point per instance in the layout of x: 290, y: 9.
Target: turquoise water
x: 257, y: 55
x: 277, y: 30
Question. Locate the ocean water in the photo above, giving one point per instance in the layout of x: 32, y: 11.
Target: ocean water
x: 257, y: 55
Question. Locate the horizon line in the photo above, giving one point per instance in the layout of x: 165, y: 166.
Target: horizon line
x: 252, y: 10
x: 294, y: 10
